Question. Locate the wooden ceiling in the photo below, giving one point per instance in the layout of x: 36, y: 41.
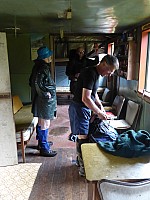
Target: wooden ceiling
x: 87, y: 16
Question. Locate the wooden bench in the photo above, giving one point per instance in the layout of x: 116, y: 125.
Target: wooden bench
x: 25, y: 123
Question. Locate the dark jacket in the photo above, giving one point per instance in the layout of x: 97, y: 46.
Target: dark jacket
x: 41, y: 83
x: 128, y: 144
x: 75, y: 65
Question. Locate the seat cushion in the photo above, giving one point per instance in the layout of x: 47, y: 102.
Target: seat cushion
x: 25, y: 122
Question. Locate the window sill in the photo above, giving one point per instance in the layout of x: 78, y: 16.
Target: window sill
x: 145, y: 96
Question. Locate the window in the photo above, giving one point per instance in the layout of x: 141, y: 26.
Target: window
x: 111, y: 48
x: 147, y: 84
x: 144, y: 72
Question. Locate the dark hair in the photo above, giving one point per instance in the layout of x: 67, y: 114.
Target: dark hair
x: 72, y: 54
x: 111, y: 61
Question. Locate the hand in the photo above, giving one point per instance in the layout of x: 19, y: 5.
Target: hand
x: 102, y: 115
x: 102, y: 109
x: 49, y: 95
x: 77, y: 75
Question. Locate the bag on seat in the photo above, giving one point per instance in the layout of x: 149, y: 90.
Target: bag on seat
x: 101, y: 131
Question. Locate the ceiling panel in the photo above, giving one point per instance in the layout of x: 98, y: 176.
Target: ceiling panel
x: 88, y: 16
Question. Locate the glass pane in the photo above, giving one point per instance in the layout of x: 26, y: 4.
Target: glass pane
x: 148, y: 66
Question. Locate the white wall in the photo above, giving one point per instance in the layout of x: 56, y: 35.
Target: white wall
x: 8, y: 149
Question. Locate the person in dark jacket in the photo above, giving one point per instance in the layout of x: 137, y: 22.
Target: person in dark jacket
x: 77, y: 62
x: 43, y: 96
x: 86, y: 100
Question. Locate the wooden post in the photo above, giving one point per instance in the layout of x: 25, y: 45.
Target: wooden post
x: 52, y: 47
x: 131, y: 74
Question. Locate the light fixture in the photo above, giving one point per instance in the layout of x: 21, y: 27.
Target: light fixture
x: 15, y: 28
x: 69, y: 13
x: 61, y: 33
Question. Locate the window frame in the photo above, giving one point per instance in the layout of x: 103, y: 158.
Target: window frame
x: 143, y: 66
x: 111, y: 48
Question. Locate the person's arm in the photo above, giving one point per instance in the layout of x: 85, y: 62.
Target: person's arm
x: 30, y: 80
x: 86, y: 99
x: 99, y: 103
x: 32, y: 75
x: 46, y: 86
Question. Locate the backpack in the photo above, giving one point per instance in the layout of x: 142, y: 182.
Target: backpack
x: 101, y: 131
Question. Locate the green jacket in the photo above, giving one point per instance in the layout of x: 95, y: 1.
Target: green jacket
x: 41, y: 84
x: 128, y: 144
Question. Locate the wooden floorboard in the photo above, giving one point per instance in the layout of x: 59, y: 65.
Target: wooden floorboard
x: 57, y: 178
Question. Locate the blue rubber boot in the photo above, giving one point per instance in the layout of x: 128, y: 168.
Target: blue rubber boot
x: 38, y: 128
x: 45, y: 149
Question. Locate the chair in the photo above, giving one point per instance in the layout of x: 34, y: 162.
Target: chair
x: 131, y: 117
x: 106, y: 97
x: 124, y: 190
x: 117, y: 105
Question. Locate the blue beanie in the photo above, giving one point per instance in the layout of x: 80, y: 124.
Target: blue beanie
x: 43, y: 52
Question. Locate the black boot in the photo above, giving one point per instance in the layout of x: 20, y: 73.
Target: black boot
x: 48, y: 153
x: 79, y: 161
x: 45, y: 149
x: 39, y: 147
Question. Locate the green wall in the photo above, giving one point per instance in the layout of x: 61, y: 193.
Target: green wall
x: 20, y: 63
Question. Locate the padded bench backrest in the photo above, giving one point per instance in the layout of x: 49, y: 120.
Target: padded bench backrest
x: 17, y: 104
x: 119, y: 190
x: 106, y: 95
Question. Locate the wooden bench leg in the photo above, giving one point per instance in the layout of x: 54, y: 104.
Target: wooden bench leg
x: 22, y: 147
x: 93, y: 191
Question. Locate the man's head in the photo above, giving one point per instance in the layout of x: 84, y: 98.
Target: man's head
x: 108, y: 65
x: 80, y: 52
x: 44, y: 54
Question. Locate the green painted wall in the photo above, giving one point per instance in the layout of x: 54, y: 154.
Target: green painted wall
x: 20, y: 63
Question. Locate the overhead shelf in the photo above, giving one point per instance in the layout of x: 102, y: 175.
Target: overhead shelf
x: 61, y: 59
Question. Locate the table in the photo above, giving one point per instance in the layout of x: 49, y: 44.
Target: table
x: 101, y: 165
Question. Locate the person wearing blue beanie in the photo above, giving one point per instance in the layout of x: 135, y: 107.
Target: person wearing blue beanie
x: 44, y: 52
x: 43, y: 96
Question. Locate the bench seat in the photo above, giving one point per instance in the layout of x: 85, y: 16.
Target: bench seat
x: 25, y: 123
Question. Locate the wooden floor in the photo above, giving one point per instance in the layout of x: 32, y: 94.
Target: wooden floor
x: 57, y: 178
